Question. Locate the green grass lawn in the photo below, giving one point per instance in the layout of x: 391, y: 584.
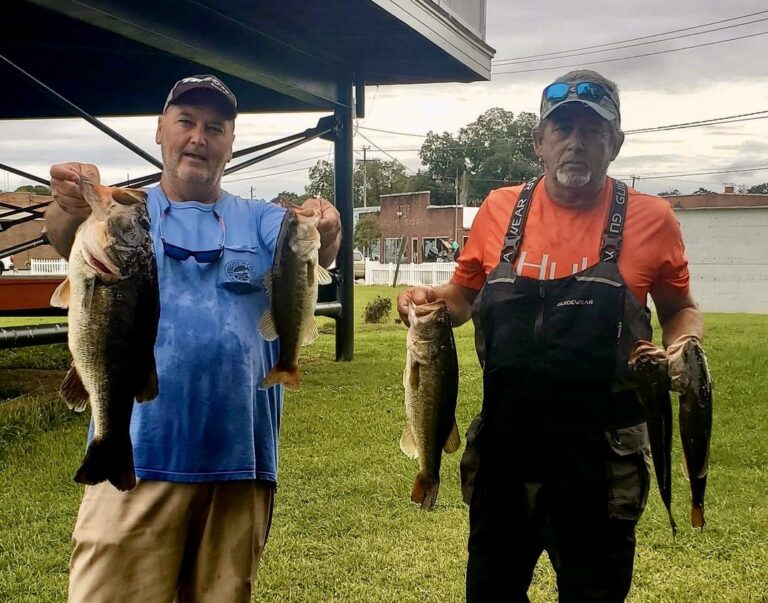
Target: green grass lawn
x: 344, y: 529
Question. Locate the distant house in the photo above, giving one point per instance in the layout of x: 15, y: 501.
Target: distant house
x: 22, y: 233
x: 726, y: 240
x: 428, y: 229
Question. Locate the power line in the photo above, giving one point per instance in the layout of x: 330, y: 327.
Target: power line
x: 636, y: 56
x: 709, y: 173
x: 664, y: 33
x: 713, y: 121
x: 266, y: 175
x: 392, y: 132
x: 579, y: 54
x: 364, y: 137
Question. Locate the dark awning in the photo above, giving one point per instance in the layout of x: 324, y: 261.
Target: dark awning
x: 111, y: 57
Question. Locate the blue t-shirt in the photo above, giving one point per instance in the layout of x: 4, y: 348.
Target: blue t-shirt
x: 211, y: 421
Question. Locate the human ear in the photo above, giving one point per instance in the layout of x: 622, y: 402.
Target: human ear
x: 536, y: 136
x: 159, y: 127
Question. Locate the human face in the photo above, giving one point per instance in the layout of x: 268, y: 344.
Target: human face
x: 196, y: 143
x: 576, y: 146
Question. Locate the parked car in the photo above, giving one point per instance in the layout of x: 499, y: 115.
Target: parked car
x: 359, y: 264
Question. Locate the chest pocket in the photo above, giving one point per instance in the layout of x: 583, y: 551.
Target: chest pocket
x: 241, y: 269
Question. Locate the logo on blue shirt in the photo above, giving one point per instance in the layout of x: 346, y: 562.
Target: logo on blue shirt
x: 239, y: 271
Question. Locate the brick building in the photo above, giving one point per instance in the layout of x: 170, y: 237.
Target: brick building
x: 22, y: 233
x: 428, y: 229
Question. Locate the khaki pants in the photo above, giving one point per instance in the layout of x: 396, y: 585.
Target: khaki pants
x: 197, y: 542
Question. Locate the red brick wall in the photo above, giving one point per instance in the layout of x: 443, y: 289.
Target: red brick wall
x: 417, y: 220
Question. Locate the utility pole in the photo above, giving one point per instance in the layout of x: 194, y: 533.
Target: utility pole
x: 365, y: 176
x: 251, y: 192
x: 633, y: 180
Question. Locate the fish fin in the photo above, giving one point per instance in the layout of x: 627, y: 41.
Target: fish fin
x: 310, y: 332
x: 685, y: 469
x: 108, y: 460
x: 150, y: 389
x: 287, y: 377
x: 129, y: 196
x: 73, y: 391
x: 60, y: 297
x: 425, y: 491
x: 323, y: 276
x: 454, y: 439
x: 408, y: 443
x: 268, y: 283
x: 267, y: 325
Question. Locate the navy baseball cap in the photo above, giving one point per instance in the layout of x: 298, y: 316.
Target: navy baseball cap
x: 203, y: 82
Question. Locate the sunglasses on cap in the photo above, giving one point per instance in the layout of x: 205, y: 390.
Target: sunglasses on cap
x: 181, y: 253
x: 588, y: 91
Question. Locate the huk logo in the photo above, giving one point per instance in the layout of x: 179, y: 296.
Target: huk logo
x: 576, y: 302
x: 239, y: 271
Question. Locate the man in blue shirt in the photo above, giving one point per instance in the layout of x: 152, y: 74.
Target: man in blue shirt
x: 205, y: 449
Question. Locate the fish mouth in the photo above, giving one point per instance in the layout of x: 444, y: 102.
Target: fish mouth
x: 94, y: 251
x: 103, y: 268
x: 430, y: 308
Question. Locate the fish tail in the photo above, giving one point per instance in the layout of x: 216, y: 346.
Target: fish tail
x: 697, y: 516
x: 289, y: 377
x: 425, y: 491
x: 672, y: 523
x: 110, y: 459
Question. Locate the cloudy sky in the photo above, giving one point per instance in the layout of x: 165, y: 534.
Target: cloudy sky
x: 672, y: 86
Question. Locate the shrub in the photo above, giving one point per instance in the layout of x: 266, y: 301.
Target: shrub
x: 378, y: 309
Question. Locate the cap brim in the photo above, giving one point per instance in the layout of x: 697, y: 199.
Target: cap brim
x: 599, y: 109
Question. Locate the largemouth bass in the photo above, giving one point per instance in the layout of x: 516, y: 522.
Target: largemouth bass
x: 292, y: 285
x: 112, y: 294
x: 691, y: 377
x: 649, y: 364
x: 431, y: 382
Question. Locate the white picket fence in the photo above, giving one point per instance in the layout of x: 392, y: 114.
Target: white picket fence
x: 428, y: 273
x: 45, y: 267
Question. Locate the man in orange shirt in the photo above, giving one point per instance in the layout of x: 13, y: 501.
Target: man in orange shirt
x: 555, y: 276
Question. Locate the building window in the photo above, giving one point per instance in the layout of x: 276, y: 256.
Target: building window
x: 375, y: 250
x: 391, y: 247
x: 414, y: 250
x: 436, y: 249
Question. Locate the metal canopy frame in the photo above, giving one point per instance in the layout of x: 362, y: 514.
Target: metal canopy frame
x: 111, y: 57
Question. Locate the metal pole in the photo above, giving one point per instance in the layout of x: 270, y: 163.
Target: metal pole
x: 16, y: 337
x: 365, y: 176
x: 343, y: 164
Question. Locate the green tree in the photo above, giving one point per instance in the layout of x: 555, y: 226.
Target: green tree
x: 495, y: 149
x: 35, y: 189
x: 286, y: 196
x: 672, y: 192
x: 380, y: 177
x: 321, y: 181
x: 703, y: 191
x: 367, y: 232
x: 758, y: 189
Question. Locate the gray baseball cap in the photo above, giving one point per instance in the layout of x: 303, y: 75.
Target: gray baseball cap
x: 203, y: 82
x: 586, y: 87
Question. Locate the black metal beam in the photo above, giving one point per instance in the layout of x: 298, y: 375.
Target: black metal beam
x: 18, y: 337
x: 343, y: 166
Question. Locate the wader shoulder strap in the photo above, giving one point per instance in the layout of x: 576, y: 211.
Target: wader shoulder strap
x: 514, y: 234
x: 610, y: 245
